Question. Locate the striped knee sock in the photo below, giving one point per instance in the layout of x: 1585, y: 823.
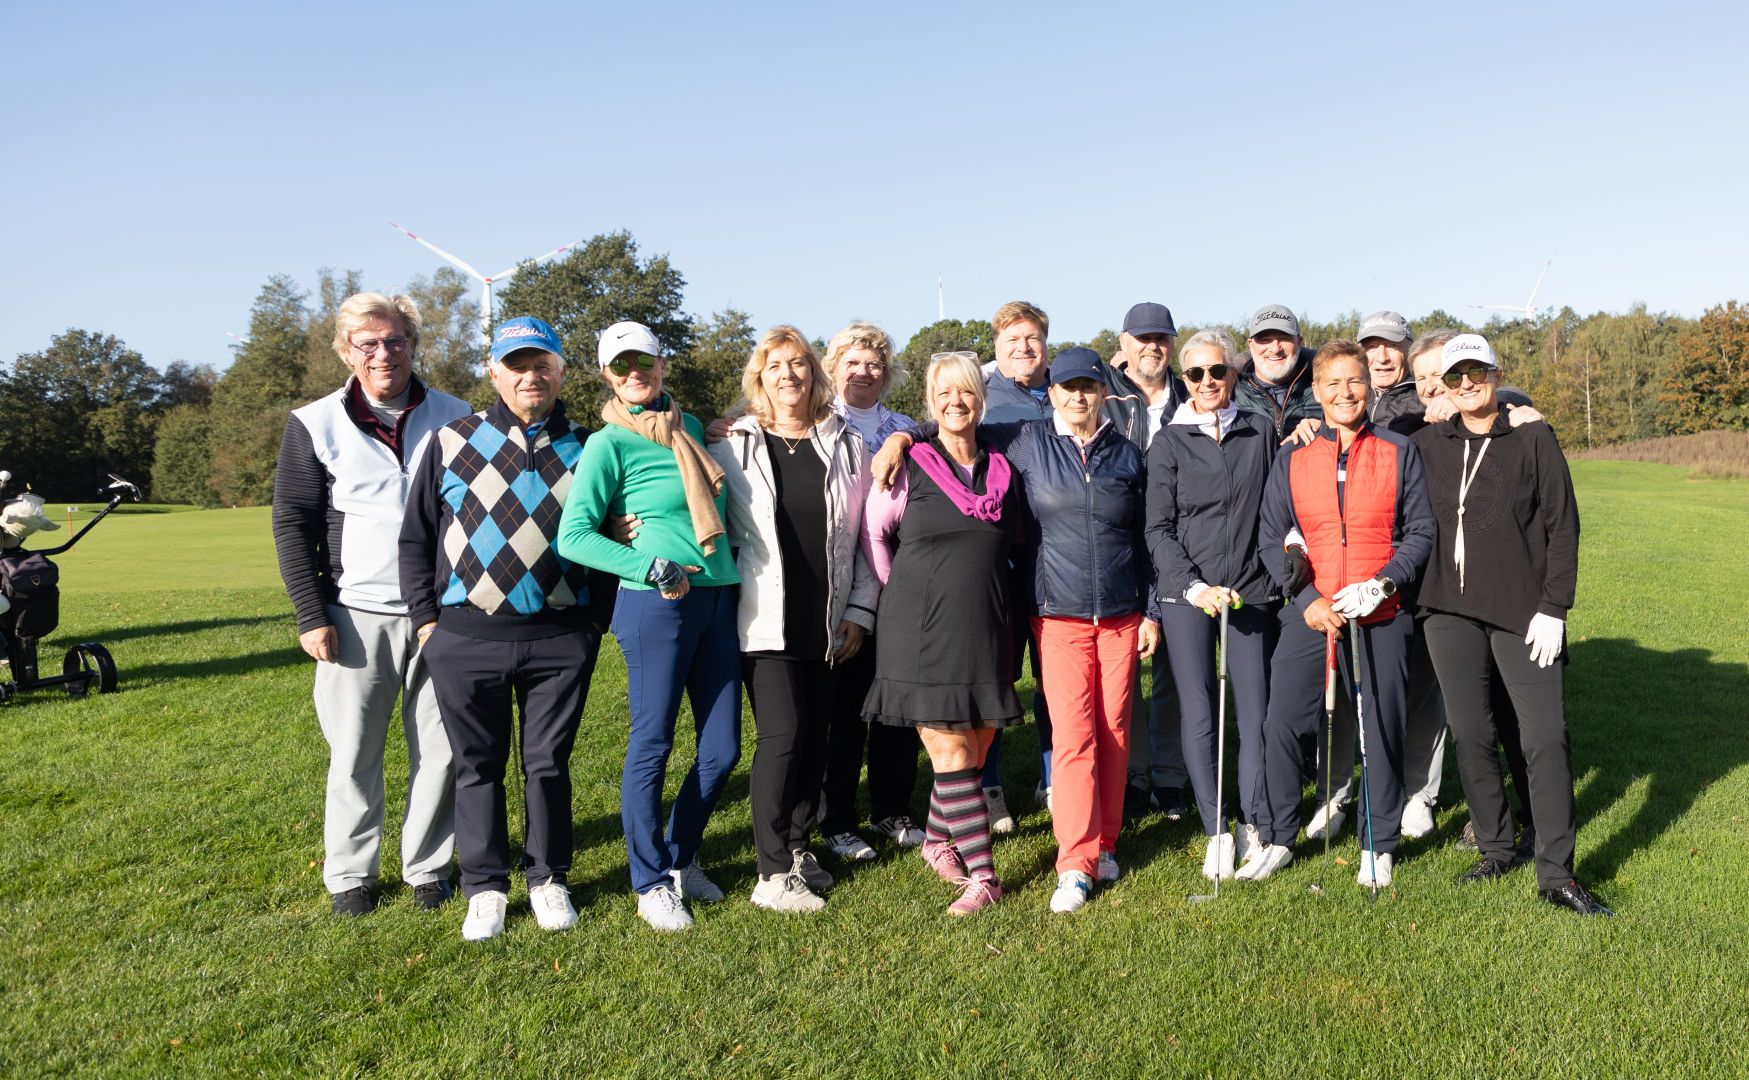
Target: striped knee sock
x: 935, y: 825
x: 967, y: 819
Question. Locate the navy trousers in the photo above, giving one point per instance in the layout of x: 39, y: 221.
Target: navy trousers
x: 672, y: 646
x: 1191, y: 637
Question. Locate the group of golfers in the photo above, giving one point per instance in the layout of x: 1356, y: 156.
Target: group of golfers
x: 1368, y: 547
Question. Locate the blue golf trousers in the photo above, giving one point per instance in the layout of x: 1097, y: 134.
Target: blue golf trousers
x: 1296, y: 711
x: 688, y: 644
x: 1191, y: 636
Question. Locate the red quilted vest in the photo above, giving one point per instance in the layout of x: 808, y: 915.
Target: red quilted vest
x: 1356, y: 545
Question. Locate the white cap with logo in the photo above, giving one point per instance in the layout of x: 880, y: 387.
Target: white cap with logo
x: 1471, y: 347
x: 624, y: 337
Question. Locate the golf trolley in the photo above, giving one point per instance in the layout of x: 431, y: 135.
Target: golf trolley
x: 30, y: 598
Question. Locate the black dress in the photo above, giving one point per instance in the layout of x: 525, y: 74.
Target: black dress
x: 944, y: 641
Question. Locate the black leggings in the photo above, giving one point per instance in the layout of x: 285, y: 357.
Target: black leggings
x: 791, y: 701
x: 892, y: 753
x: 1465, y: 652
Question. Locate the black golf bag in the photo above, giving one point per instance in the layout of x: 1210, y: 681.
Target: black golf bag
x: 33, y: 585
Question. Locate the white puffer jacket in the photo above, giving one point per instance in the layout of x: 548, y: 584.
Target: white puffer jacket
x: 853, y: 590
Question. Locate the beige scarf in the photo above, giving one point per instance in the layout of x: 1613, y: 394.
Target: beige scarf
x: 699, y: 475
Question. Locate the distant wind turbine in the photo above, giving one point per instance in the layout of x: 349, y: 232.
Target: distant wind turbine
x: 238, y: 340
x: 940, y: 301
x: 486, y: 282
x: 1529, y: 307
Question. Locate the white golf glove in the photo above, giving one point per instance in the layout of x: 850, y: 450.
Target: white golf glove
x: 1544, y: 638
x: 1360, y: 599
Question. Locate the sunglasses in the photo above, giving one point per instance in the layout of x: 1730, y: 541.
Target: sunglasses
x: 622, y: 367
x: 1217, y: 372
x: 1477, y: 376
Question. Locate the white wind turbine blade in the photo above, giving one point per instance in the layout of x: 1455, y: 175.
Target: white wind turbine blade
x: 238, y: 340
x: 506, y: 275
x: 439, y: 252
x: 1530, y: 305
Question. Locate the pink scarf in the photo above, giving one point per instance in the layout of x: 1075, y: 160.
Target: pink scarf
x: 985, y: 507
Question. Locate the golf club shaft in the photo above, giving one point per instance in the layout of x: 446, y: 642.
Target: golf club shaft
x: 1329, y: 734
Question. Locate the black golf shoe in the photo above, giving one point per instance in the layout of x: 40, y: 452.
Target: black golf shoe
x: 1484, y: 870
x: 354, y: 902
x: 1135, y: 804
x: 1574, y: 898
x: 1170, y: 801
x: 431, y: 895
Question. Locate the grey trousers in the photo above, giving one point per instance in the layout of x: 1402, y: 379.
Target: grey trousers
x: 355, y: 700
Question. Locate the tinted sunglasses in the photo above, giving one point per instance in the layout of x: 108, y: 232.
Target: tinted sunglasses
x: 1216, y: 372
x: 622, y: 366
x: 1477, y: 373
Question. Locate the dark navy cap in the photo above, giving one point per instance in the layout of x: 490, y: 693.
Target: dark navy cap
x: 1149, y: 318
x: 1077, y: 363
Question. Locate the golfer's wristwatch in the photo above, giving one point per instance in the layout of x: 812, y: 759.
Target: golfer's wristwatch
x: 1387, y: 587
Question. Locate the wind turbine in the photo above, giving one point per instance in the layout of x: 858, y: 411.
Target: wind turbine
x: 238, y: 340
x: 940, y: 300
x: 486, y: 282
x: 1529, y: 307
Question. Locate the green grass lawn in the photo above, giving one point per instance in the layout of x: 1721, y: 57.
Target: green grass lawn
x: 162, y: 909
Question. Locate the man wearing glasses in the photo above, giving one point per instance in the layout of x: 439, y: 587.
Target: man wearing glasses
x: 338, y: 499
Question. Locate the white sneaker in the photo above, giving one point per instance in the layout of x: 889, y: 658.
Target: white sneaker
x: 901, y: 830
x: 1072, y: 889
x: 1218, y: 859
x: 663, y: 908
x: 1041, y: 795
x: 1417, y: 818
x: 1266, y: 862
x: 850, y: 847
x: 1329, y: 814
x: 485, y: 915
x: 1106, y: 870
x: 1001, y: 821
x: 786, y: 892
x: 552, y: 906
x: 1376, y: 874
x: 1248, y: 842
x: 693, y: 884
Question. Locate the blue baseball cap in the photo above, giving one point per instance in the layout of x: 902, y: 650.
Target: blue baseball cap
x: 1149, y: 318
x: 524, y: 332
x: 1077, y: 363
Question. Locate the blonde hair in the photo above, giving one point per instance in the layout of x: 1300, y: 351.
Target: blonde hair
x: 957, y: 368
x: 753, y: 389
x: 1016, y: 310
x: 1428, y: 342
x: 1334, y: 351
x: 864, y: 335
x: 364, y: 307
x: 1209, y: 339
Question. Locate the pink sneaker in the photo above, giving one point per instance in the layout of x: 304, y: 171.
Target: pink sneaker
x: 944, y: 860
x: 980, y: 893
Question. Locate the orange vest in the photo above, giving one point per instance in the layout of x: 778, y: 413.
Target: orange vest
x: 1351, y: 540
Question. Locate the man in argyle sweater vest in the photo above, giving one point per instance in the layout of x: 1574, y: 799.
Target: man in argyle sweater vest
x: 503, y: 618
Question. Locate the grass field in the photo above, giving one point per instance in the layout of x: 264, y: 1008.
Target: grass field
x: 162, y: 910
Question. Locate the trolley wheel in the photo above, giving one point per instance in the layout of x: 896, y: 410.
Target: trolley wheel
x: 92, y: 661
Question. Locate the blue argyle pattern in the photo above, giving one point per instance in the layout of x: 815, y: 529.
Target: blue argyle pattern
x: 503, y: 495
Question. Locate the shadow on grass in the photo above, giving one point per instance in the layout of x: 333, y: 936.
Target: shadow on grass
x: 1674, y: 719
x: 190, y: 626
x: 245, y: 664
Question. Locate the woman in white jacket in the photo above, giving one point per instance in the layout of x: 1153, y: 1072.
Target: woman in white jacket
x: 797, y: 479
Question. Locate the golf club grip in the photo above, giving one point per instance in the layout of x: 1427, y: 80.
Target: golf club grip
x: 1329, y: 671
x: 1221, y: 653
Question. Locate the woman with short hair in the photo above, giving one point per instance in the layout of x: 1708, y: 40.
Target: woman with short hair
x: 675, y: 615
x: 1207, y: 469
x: 941, y: 538
x: 1497, y: 593
x: 797, y: 478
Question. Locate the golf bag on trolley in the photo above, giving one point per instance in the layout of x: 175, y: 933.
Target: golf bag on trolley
x: 30, y: 599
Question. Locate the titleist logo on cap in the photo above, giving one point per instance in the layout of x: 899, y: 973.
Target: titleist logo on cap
x: 505, y: 333
x: 1272, y: 313
x: 1463, y: 348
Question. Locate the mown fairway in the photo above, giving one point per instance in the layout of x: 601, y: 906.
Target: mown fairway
x: 162, y: 911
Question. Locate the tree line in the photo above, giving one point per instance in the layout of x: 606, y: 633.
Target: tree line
x: 87, y: 405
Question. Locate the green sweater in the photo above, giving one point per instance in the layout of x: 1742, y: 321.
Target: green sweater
x: 621, y: 472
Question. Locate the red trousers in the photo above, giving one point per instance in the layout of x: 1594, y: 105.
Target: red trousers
x: 1089, y: 673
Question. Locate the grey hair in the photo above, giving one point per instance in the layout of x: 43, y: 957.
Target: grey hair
x: 1218, y: 339
x: 1426, y: 343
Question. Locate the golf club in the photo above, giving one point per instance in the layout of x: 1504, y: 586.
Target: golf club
x: 1329, y: 727
x: 1220, y: 752
x: 1360, y: 726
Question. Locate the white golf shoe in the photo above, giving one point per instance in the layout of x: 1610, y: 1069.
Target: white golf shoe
x: 1001, y: 821
x: 1106, y: 870
x: 1072, y: 889
x: 1375, y: 873
x: 1217, y: 861
x: 663, y: 908
x: 1249, y: 843
x: 1417, y: 818
x: 551, y: 902
x: 1266, y: 862
x: 787, y: 893
x: 485, y: 915
x: 694, y: 884
x: 1330, y: 815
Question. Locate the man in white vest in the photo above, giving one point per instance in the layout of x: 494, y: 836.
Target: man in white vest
x: 338, y: 500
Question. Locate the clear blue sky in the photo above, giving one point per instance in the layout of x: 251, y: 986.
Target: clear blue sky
x: 814, y: 163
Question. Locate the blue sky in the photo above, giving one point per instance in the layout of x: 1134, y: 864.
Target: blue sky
x: 815, y: 163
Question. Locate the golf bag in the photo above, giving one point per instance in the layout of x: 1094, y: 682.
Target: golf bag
x: 31, y: 583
